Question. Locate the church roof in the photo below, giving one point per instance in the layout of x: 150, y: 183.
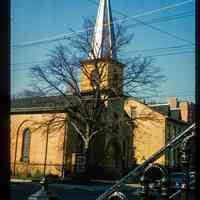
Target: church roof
x: 171, y: 114
x: 39, y: 104
x: 175, y: 114
x: 103, y: 40
x: 161, y: 108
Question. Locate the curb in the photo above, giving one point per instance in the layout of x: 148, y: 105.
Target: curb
x: 103, y: 181
x: 13, y: 180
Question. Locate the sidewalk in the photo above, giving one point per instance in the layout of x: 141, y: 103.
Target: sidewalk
x: 68, y: 184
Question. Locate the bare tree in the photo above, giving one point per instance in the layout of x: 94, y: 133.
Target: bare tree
x: 85, y: 108
x: 26, y: 93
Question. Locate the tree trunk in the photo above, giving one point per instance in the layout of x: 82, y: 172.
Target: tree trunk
x: 86, y: 152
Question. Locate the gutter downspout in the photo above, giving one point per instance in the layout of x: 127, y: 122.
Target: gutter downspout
x: 64, y: 150
x: 46, y: 149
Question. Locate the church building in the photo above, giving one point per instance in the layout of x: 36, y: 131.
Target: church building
x: 37, y: 151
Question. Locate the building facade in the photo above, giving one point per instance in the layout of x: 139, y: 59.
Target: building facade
x: 38, y: 151
x: 136, y: 130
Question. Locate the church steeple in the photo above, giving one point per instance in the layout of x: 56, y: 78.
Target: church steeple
x: 102, y: 65
x: 103, y: 39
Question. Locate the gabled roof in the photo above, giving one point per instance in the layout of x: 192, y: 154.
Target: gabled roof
x: 41, y: 104
x: 170, y: 114
x: 161, y: 108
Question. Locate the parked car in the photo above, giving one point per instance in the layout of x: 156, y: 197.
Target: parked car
x: 176, y: 180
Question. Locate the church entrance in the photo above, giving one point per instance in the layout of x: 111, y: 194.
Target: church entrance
x: 113, y: 159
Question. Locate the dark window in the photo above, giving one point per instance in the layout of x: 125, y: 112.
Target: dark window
x: 116, y: 122
x: 95, y: 79
x: 26, y: 145
x: 133, y: 112
x: 175, y: 131
x: 115, y: 81
x: 172, y: 134
x: 124, y: 148
x: 169, y: 132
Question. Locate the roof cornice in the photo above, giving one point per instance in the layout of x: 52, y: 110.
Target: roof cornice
x: 104, y: 59
x: 38, y: 110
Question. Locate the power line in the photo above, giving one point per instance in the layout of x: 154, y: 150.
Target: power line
x: 134, y: 51
x: 153, y: 27
x: 144, y: 97
x: 65, y: 36
x: 155, y: 98
x: 166, y: 32
x: 160, y: 52
x: 170, y: 54
x: 151, y: 11
x: 160, y: 30
x: 161, y: 48
x: 27, y: 63
x: 164, y: 19
x: 159, y: 96
x: 152, y: 56
x: 188, y: 94
x: 176, y: 94
x: 174, y: 53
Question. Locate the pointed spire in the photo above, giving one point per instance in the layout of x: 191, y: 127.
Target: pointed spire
x: 103, y: 39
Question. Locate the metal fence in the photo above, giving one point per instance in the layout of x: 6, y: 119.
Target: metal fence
x: 159, y: 186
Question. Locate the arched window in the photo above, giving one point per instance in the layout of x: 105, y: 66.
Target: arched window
x: 26, y: 145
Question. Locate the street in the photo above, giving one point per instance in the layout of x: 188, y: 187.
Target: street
x: 21, y: 191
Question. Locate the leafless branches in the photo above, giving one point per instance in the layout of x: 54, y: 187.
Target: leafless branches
x: 66, y: 72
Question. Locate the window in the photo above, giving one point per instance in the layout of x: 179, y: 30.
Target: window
x: 169, y: 132
x: 115, y: 81
x: 133, y: 112
x: 26, y: 145
x: 175, y: 131
x: 95, y: 79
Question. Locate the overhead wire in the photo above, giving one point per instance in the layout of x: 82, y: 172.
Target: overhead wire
x: 144, y: 23
x: 170, y: 54
x: 160, y: 49
x: 181, y: 94
x: 166, y: 96
x: 65, y: 36
x: 165, y: 19
x: 151, y: 26
x: 152, y: 56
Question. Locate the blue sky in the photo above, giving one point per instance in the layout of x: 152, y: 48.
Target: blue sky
x: 35, y: 20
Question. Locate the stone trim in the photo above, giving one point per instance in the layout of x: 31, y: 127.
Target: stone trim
x: 37, y: 110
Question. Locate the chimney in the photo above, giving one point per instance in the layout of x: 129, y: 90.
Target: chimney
x: 185, y: 111
x: 173, y: 103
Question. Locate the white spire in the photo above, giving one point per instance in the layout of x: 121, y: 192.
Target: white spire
x: 103, y: 39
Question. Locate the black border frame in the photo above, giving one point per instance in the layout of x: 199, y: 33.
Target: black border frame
x: 5, y: 100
